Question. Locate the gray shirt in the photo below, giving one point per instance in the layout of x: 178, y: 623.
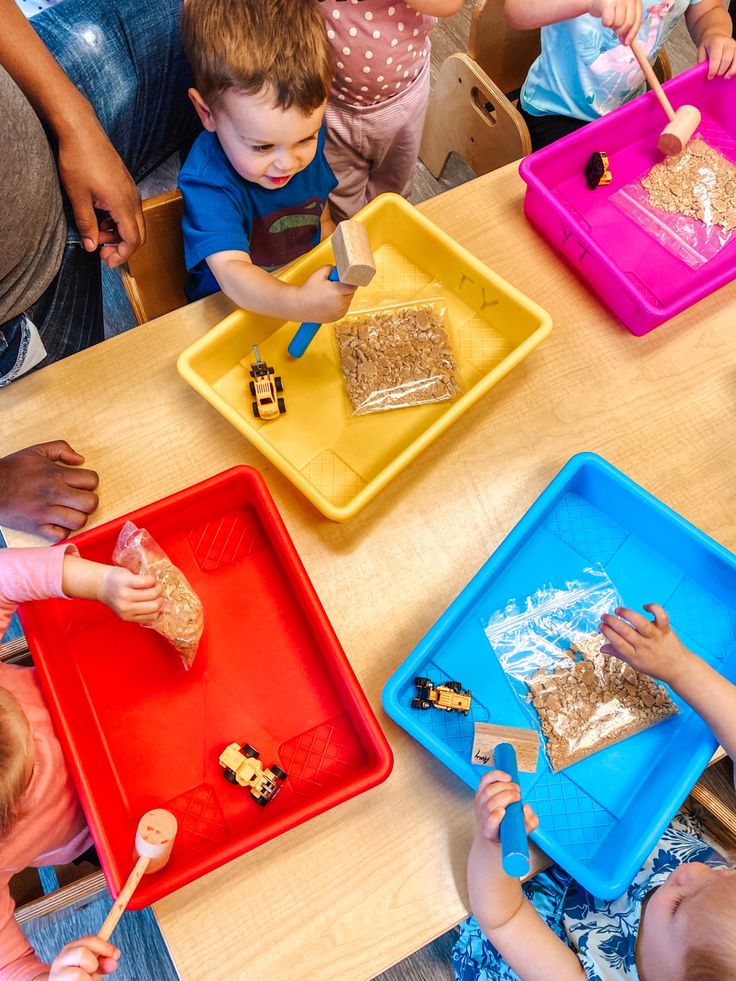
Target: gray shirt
x: 32, y: 222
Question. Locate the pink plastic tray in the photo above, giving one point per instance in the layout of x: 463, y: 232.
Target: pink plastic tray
x: 140, y: 732
x: 635, y: 276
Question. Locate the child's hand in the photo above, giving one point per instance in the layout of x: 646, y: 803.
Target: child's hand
x: 321, y: 301
x: 720, y: 52
x: 650, y: 646
x: 132, y: 597
x: 624, y: 17
x: 495, y: 793
x: 84, y: 959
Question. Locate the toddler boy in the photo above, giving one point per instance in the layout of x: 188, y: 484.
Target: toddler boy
x: 256, y: 182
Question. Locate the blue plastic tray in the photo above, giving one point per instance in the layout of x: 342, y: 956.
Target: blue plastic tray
x: 601, y: 817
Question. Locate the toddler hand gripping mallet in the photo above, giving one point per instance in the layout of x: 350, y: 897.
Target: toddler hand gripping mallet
x: 514, y: 842
x: 354, y: 266
x: 153, y: 843
x: 682, y: 122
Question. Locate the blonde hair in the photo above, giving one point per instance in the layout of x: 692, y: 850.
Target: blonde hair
x: 15, y: 735
x: 255, y: 45
x: 711, y: 922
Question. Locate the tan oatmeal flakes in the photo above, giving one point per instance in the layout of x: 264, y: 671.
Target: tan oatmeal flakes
x: 593, y: 703
x: 396, y: 357
x: 698, y: 182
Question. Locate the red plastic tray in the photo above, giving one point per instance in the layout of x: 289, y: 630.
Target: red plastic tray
x: 140, y: 732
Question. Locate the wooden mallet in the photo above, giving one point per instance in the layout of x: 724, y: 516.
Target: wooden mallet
x: 498, y: 746
x: 153, y: 843
x: 354, y: 265
x: 682, y: 122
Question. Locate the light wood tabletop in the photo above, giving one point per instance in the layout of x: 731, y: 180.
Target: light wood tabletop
x: 358, y: 888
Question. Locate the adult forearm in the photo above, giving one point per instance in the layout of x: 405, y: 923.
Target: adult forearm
x: 36, y: 72
x: 494, y: 896
x: 529, y: 14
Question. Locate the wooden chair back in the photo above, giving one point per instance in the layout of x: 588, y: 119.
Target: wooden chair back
x: 154, y: 276
x: 501, y: 51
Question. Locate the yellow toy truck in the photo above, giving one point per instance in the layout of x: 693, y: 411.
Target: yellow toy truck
x: 265, y: 388
x: 243, y: 767
x: 449, y: 697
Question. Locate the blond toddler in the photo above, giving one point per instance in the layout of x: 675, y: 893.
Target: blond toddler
x: 41, y: 819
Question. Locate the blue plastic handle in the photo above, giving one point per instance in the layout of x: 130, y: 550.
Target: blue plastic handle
x: 307, y: 332
x: 514, y: 844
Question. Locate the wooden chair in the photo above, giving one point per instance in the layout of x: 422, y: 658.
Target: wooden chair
x: 473, y: 110
x: 154, y: 276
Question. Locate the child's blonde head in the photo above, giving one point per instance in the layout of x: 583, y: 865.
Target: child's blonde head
x: 15, y: 741
x: 252, y: 46
x: 711, y: 934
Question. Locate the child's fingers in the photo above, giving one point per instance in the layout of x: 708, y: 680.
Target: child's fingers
x: 621, y: 628
x: 143, y: 611
x: 635, y: 620
x: 493, y: 776
x: 531, y: 821
x: 616, y: 645
x: 501, y: 796
x: 661, y: 619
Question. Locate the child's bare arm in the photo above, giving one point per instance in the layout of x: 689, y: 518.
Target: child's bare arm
x: 652, y: 647
x: 622, y: 16
x: 509, y: 921
x: 318, y: 300
x: 132, y: 597
x: 710, y: 28
x: 436, y: 8
x: 326, y: 224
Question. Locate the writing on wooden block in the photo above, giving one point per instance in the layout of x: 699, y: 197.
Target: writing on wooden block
x: 488, y: 736
x: 353, y: 254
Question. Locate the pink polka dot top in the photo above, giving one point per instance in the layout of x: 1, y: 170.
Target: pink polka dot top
x: 380, y: 48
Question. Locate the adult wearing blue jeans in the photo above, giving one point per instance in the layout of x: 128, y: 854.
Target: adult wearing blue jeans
x: 108, y: 81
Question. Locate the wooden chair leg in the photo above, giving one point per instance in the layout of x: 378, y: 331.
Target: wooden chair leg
x: 469, y: 115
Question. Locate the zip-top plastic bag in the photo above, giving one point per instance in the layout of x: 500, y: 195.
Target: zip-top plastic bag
x: 397, y: 354
x: 181, y: 620
x: 580, y: 699
x: 686, y: 202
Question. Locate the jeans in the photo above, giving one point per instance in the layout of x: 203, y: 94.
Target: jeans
x: 125, y: 56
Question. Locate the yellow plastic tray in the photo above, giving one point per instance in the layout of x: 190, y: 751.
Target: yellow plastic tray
x: 338, y: 460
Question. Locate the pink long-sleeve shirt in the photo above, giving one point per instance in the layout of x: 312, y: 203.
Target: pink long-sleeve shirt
x: 51, y: 829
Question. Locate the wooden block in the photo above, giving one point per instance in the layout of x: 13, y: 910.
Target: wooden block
x: 353, y: 254
x: 488, y: 736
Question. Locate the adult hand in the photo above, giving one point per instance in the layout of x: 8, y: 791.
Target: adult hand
x: 39, y: 495
x: 94, y: 176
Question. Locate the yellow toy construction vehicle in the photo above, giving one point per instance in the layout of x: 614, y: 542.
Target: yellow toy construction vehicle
x: 449, y: 697
x: 265, y: 388
x: 243, y: 767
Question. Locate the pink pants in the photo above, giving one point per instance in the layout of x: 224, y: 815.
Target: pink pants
x: 373, y: 149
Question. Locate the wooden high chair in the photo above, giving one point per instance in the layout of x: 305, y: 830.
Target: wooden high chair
x: 154, y: 276
x: 473, y: 109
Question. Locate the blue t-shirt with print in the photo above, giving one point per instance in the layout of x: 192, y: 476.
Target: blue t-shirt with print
x: 223, y: 212
x: 584, y: 71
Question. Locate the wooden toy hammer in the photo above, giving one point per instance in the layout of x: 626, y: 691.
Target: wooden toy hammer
x: 354, y: 265
x: 153, y: 843
x: 497, y: 746
x: 682, y: 122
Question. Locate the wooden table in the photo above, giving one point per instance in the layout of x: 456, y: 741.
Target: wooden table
x: 362, y: 886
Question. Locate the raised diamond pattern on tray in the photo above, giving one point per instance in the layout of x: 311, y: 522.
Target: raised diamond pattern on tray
x: 584, y: 528
x: 327, y: 754
x: 570, y: 815
x: 201, y: 824
x: 695, y: 611
x: 226, y: 540
x: 333, y: 477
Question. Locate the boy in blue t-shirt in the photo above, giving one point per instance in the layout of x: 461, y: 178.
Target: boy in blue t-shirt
x: 256, y: 182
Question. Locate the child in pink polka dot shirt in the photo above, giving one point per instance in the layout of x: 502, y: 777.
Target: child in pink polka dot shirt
x: 376, y: 108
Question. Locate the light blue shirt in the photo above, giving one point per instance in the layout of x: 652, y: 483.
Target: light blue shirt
x: 584, y: 71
